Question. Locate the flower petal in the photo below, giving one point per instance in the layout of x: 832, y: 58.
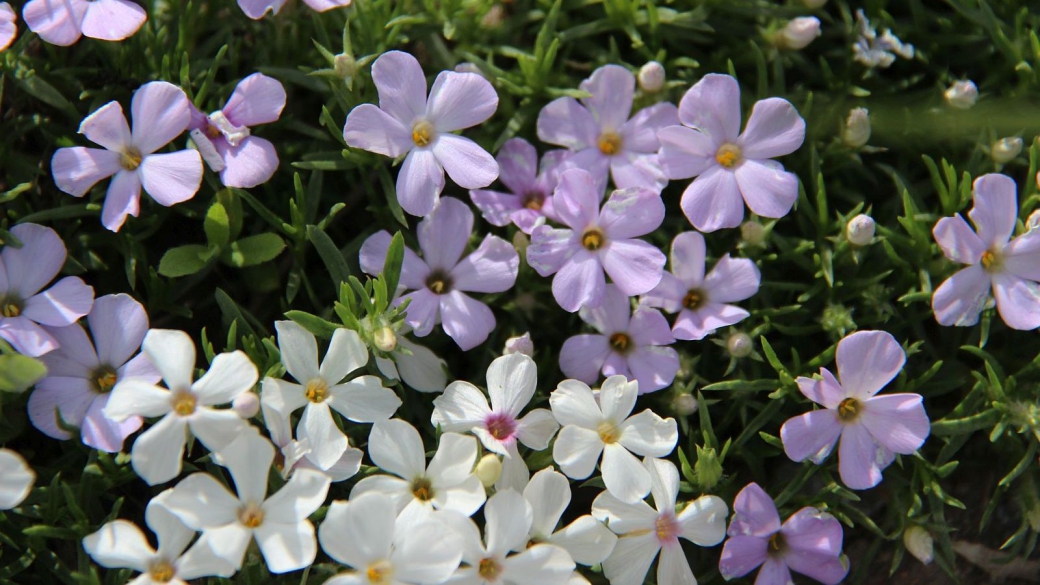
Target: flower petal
x: 654, y: 367
x: 996, y: 208
x: 287, y: 547
x: 696, y: 325
x: 754, y: 514
x: 768, y: 189
x: 685, y: 152
x: 631, y: 559
x: 112, y: 20
x: 216, y: 429
x: 107, y: 127
x: 364, y: 399
x: 371, y: 514
x: 1022, y: 256
x: 419, y: 182
x: 647, y: 434
x: 231, y: 374
x: 961, y: 297
x: 577, y: 451
x: 897, y: 421
x: 508, y: 519
x: 549, y: 494
x: 550, y: 249
x: 811, y: 435
x: 252, y: 162
x: 732, y: 280
x: 395, y: 446
x: 132, y: 397
x: 491, y: 268
x: 119, y: 544
x: 674, y: 567
x: 773, y: 129
x: 299, y: 351
x: 582, y: 356
x: 122, y: 199
x: 774, y: 572
x: 460, y: 100
x: 623, y: 475
x: 637, y: 170
x: 460, y: 408
x: 37, y: 262
x: 612, y: 88
x: 58, y: 23
x: 160, y: 112
x: 741, y: 555
x: 634, y: 266
x: 713, y: 107
x: 346, y: 353
x: 76, y: 169
x: 469, y: 165
x: 565, y: 122
x: 157, y: 452
x: 118, y: 323
x: 173, y: 354
x: 62, y: 304
x: 537, y: 428
x: 466, y: 320
x: 957, y: 240
x: 573, y: 403
x: 867, y: 361
x: 586, y: 539
x: 453, y: 462
x: 372, y: 129
x: 860, y: 458
x: 422, y: 370
x: 26, y: 336
x: 99, y: 432
x: 401, y: 85
x: 327, y: 441
x: 299, y: 498
x: 373, y: 255
x: 518, y: 165
x: 713, y: 201
x: 1018, y: 301
x: 172, y: 178
x: 257, y: 99
x: 66, y: 398
x: 630, y: 213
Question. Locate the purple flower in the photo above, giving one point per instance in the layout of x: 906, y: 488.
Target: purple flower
x: 598, y: 241
x: 1010, y: 269
x: 8, y: 30
x: 23, y: 274
x: 809, y: 542
x: 63, y: 22
x: 406, y: 123
x: 872, y: 428
x: 223, y: 137
x: 440, y: 279
x: 530, y: 200
x: 601, y: 134
x: 81, y: 374
x: 702, y: 302
x: 629, y: 344
x: 731, y: 167
x: 256, y: 9
x: 161, y: 113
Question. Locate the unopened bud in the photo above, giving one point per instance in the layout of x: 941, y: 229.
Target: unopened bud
x: 860, y: 230
x: 753, y: 233
x: 520, y: 243
x: 962, y: 95
x: 384, y: 339
x: 708, y: 469
x: 521, y: 344
x: 651, y: 77
x: 739, y: 345
x: 246, y: 405
x: 1006, y: 149
x: 488, y: 470
x: 798, y: 33
x: 857, y: 128
x: 919, y: 542
x: 1034, y: 219
x: 344, y: 65
x: 684, y: 404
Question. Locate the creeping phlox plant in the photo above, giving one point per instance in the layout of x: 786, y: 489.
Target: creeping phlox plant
x: 309, y: 357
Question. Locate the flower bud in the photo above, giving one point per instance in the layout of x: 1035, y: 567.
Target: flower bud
x: 708, y: 469
x: 684, y: 404
x: 521, y: 344
x: 962, y: 95
x: 860, y: 230
x: 1006, y: 149
x: 651, y: 77
x: 857, y: 128
x: 384, y: 339
x: 520, y: 243
x: 246, y: 405
x: 467, y: 67
x: 739, y: 345
x: 837, y: 320
x: 344, y: 65
x: 919, y: 542
x: 754, y: 233
x: 798, y: 33
x: 1034, y: 220
x: 488, y: 470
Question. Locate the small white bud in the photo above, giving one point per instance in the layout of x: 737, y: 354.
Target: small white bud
x: 860, y: 230
x: 1034, y: 219
x: 488, y: 470
x: 814, y: 4
x: 1006, y: 149
x: 521, y: 344
x: 684, y: 404
x: 798, y: 33
x: 651, y: 77
x: 467, y: 67
x: 857, y: 128
x: 919, y: 542
x: 384, y: 339
x: 739, y: 345
x: 246, y: 405
x: 962, y: 95
x: 754, y: 233
x: 344, y: 65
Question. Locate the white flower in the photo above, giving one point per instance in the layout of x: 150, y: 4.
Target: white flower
x: 16, y: 479
x: 293, y: 454
x: 228, y: 522
x: 962, y: 94
x: 415, y: 364
x: 508, y: 519
x: 121, y: 545
x: 511, y: 383
x: 363, y: 399
x: 651, y: 77
x: 645, y: 531
x: 592, y: 428
x: 860, y: 230
x: 586, y: 539
x: 364, y: 535
x: 447, y: 484
x: 157, y: 453
x: 798, y: 33
x: 874, y: 51
x: 1005, y: 150
x: 857, y: 128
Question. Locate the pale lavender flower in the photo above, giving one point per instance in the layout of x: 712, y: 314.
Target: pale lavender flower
x: 628, y: 344
x: 598, y: 241
x: 602, y: 136
x: 731, y: 167
x: 161, y: 113
x: 81, y: 374
x: 23, y: 307
x: 407, y: 123
x: 703, y: 301
x: 874, y: 51
x: 529, y: 203
x: 1009, y: 269
x: 224, y: 140
x: 8, y: 29
x: 64, y: 22
x: 256, y: 9
x: 872, y: 428
x: 442, y: 277
x: 809, y: 542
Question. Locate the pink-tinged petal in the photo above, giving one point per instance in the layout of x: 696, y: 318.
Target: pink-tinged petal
x: 172, y: 178
x: 995, y: 209
x: 256, y: 9
x: 774, y: 572
x: 491, y: 268
x: 112, y: 20
x: 768, y: 189
x: 8, y: 29
x: 157, y: 453
x: 26, y: 337
x: 550, y: 249
x: 685, y: 152
x: 713, y: 201
x: 401, y: 85
x: 443, y: 234
x: 76, y: 169
x: 122, y: 199
x: 813, y: 531
x: 696, y: 325
x: 582, y: 356
x: 374, y: 130
x: 67, y: 398
x: 1022, y: 256
x: 565, y: 122
x: 811, y: 436
x: 860, y: 458
x: 107, y: 127
x: 741, y: 555
x: 897, y: 421
x: 469, y: 165
x: 713, y: 107
x: 687, y: 259
x: 654, y: 367
x: 496, y: 207
x: 612, y: 88
x: 649, y: 327
x: 640, y: 133
x: 867, y: 361
x: 754, y: 513
x: 827, y: 569
x: 324, y: 5
x: 258, y: 99
x: 576, y: 200
x: 160, y: 113
x: 732, y: 280
x: 958, y: 241
x: 423, y: 312
x: 667, y: 295
x: 580, y: 282
x: 104, y: 434
x: 460, y: 100
x: 630, y: 213
x: 466, y: 320
x: 633, y: 169
x: 62, y: 304
x: 518, y: 165
x: 252, y: 162
x: 37, y: 262
x: 419, y: 182
x: 633, y: 265
x: 826, y: 392
x: 610, y: 316
x: 56, y: 21
x: 373, y: 256
x: 1018, y: 301
x: 118, y: 324
x: 774, y: 129
x: 961, y: 297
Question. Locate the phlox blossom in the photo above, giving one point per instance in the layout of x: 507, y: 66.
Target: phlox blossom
x: 257, y: 9
x: 529, y: 202
x: 295, y: 454
x: 63, y: 22
x: 586, y: 539
x: 16, y: 479
x: 8, y: 29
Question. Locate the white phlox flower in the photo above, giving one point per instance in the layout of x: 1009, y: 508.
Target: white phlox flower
x: 183, y: 404
x: 414, y: 364
x: 293, y: 454
x: 16, y: 479
x: 586, y: 539
x: 878, y: 51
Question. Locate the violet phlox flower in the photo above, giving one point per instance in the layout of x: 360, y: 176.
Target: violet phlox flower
x: 224, y: 139
x: 407, y: 123
x: 529, y: 202
x: 24, y: 306
x: 809, y: 542
x: 731, y: 168
x: 442, y: 277
x: 257, y: 9
x: 703, y: 301
x: 597, y: 241
x: 872, y: 428
x: 81, y: 374
x: 8, y: 29
x: 161, y: 113
x: 601, y: 134
x: 1010, y: 269
x: 630, y: 344
x: 63, y: 22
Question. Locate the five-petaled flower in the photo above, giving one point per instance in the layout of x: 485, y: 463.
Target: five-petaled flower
x: 530, y: 202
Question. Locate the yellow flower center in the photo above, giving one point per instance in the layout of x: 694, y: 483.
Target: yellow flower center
x: 609, y: 143
x: 104, y: 379
x: 422, y: 489
x: 131, y: 158
x: 251, y: 516
x: 848, y: 409
x: 776, y: 543
x: 317, y: 390
x: 593, y: 239
x: 161, y: 571
x: 379, y: 572
x: 489, y: 569
x: 620, y: 342
x: 10, y: 308
x: 992, y: 261
x: 608, y: 432
x: 694, y: 299
x: 728, y: 155
x: 439, y: 282
x: 667, y: 527
x: 422, y: 133
x: 184, y: 403
x: 533, y: 200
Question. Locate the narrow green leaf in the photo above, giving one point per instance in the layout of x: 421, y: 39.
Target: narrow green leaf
x: 334, y: 261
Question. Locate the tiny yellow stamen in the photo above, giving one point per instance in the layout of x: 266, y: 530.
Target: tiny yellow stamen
x: 439, y: 282
x: 184, y: 403
x: 608, y: 432
x: 104, y: 379
x: 776, y: 542
x: 991, y: 261
x: 592, y: 239
x: 422, y: 133
x: 693, y: 300
x: 379, y: 572
x: 317, y: 390
x: 533, y: 200
x: 422, y: 489
x: 131, y: 158
x: 489, y: 569
x: 848, y: 409
x: 251, y: 516
x: 728, y: 155
x: 161, y: 571
x: 620, y: 342
x: 610, y: 143
x: 10, y: 309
